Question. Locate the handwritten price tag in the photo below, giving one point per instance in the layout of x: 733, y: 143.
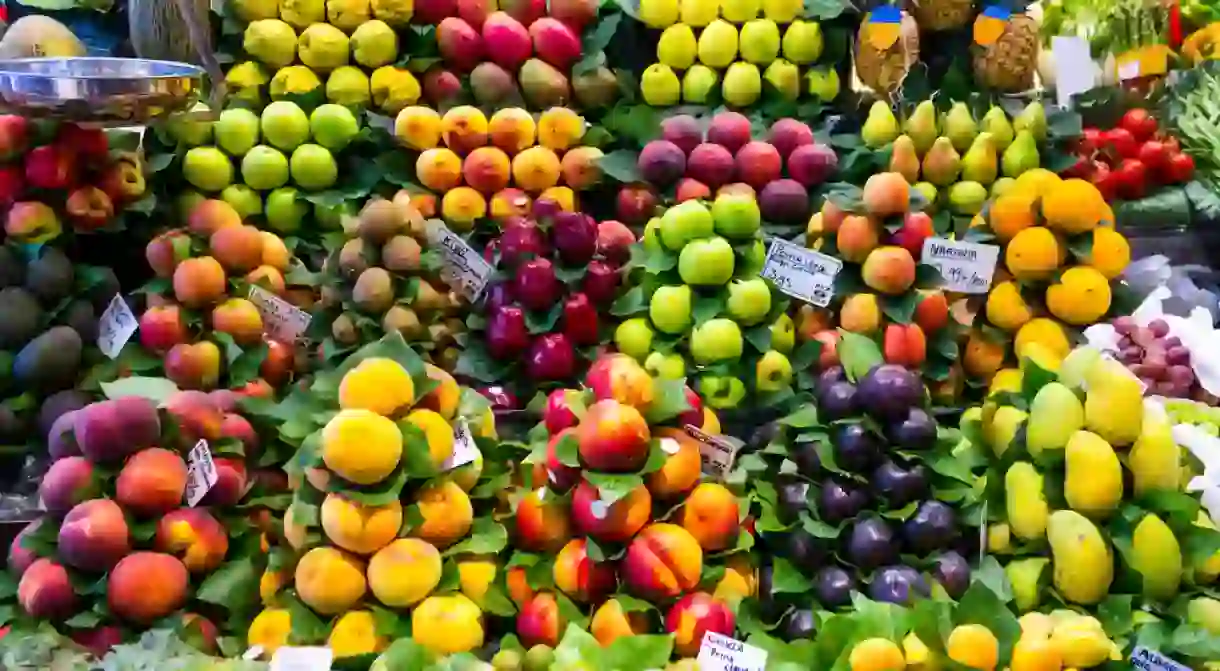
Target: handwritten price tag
x: 721, y: 653
x: 801, y: 273
x: 116, y: 327
x: 200, y: 473
x: 282, y: 320
x: 302, y: 659
x: 464, y: 448
x: 1151, y: 660
x: 464, y: 269
x: 716, y: 452
x: 966, y: 266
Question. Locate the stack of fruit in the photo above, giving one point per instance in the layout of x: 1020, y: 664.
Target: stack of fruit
x: 384, y: 279
x: 472, y: 172
x: 404, y: 432
x: 547, y: 314
x: 1132, y: 159
x: 200, y: 315
x: 121, y: 502
x: 1060, y: 256
x: 777, y: 48
x: 1062, y: 485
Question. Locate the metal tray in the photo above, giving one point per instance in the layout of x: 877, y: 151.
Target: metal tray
x: 107, y: 91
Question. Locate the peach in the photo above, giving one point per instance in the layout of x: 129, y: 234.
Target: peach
x: 230, y: 484
x: 240, y: 319
x: 580, y: 577
x: 559, y: 475
x: 905, y: 345
x: 441, y: 87
x: 511, y: 40
x: 788, y: 134
x: 212, y: 215
x: 108, y: 431
x: 663, y: 562
x: 575, y: 13
x: 524, y: 11
x: 194, y: 536
x: 542, y: 522
x: 711, y: 516
x: 693, y: 616
x: 861, y: 313
x: 45, y: 591
x: 193, y: 366
x: 740, y: 580
x: 690, y: 189
x: 98, y: 640
x: 517, y: 582
x: 487, y: 169
x: 330, y: 581
x: 460, y: 44
x: 444, y: 397
x: 512, y: 129
x: 268, y: 278
x: 611, y: 523
x: 418, y: 127
x: 555, y: 43
x: 812, y: 164
x: 239, y: 249
x: 558, y: 413
x: 464, y: 129
x: 32, y: 222
x: 67, y: 482
x: 613, y: 437
x: 162, y: 327
x: 239, y: 428
x: 359, y: 528
x: 611, y: 622
x: 540, y: 622
x: 536, y: 169
x: 932, y: 311
x: 562, y: 196
x: 711, y: 164
x: 166, y: 251
x: 811, y: 319
x: 832, y: 217
x: 147, y: 586
x: 425, y: 204
x: 275, y: 252
x: 439, y: 169
x: 683, y: 465
x: 758, y: 164
x: 637, y: 203
x: 511, y: 202
x: 730, y: 130
x: 462, y: 207
x: 661, y: 162
x: 614, y: 241
x: 199, y: 281
x: 94, y: 536
x: 19, y: 556
x: 886, y: 194
x: 856, y: 237
x: 405, y: 571
x: 198, y: 416
x: 581, y: 167
x: 152, y: 482
x: 889, y: 270
x: 446, y: 511
x: 829, y: 356
x: 621, y: 378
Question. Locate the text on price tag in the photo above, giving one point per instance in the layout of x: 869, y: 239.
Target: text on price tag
x: 302, y: 659
x: 282, y: 320
x: 721, y: 653
x: 464, y: 448
x: 967, y: 267
x: 801, y: 273
x: 716, y: 452
x: 200, y: 473
x: 116, y: 327
x: 463, y: 268
x: 1151, y: 660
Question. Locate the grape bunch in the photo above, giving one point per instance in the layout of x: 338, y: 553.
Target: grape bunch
x: 1185, y: 411
x: 1158, y: 359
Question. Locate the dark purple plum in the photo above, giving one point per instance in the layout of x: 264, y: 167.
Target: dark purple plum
x: 807, y: 552
x: 952, y: 571
x: 834, y: 587
x: 805, y: 456
x: 800, y: 623
x: 916, y: 431
x: 793, y: 500
x: 899, y: 484
x: 856, y: 449
x: 871, y: 544
x: 762, y: 436
x: 770, y: 604
x: 839, y: 501
x: 932, y: 527
x: 837, y: 401
x: 898, y: 584
x: 888, y: 392
x: 830, y: 376
x: 498, y: 295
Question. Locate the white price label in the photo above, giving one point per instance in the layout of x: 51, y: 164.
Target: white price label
x: 967, y: 267
x: 1151, y: 660
x: 464, y: 448
x: 721, y: 653
x: 200, y: 473
x: 464, y: 269
x: 253, y: 653
x: 801, y: 273
x: 717, y: 453
x: 1129, y: 70
x: 302, y: 659
x: 1075, y: 71
x: 116, y: 327
x: 282, y: 320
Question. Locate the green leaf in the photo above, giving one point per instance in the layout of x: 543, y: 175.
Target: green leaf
x: 785, y: 579
x: 858, y: 354
x: 567, y: 450
x: 668, y: 401
x: 487, y: 537
x: 657, y: 260
x: 578, y: 648
x: 647, y: 651
x: 613, y: 486
x: 155, y: 389
x: 621, y: 165
x: 1034, y: 378
x: 707, y: 307
x: 406, y: 655
x: 543, y: 322
x: 230, y: 586
x: 900, y: 309
x: 981, y: 605
x: 630, y: 304
x: 805, y: 418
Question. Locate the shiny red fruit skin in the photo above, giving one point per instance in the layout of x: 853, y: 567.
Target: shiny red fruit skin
x: 1154, y: 154
x: 1090, y: 141
x: 1139, y: 123
x: 1105, y: 180
x: 1132, y: 177
x: 1180, y: 168
x: 1122, y: 142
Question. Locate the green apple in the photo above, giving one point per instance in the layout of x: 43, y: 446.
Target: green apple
x: 331, y: 218
x: 736, y: 215
x: 721, y: 391
x: 670, y: 309
x: 706, y: 262
x: 186, y: 201
x: 1205, y: 612
x: 285, y: 125
x: 313, y: 167
x: 716, y: 340
x: 245, y: 200
x: 652, y: 235
x: 237, y: 131
x: 685, y: 222
x: 667, y: 366
x: 783, y: 334
x: 207, y: 169
x: 189, y: 130
x: 333, y: 126
x: 773, y: 372
x: 285, y: 210
x: 634, y: 338
x: 753, y: 259
x: 749, y: 300
x: 264, y: 168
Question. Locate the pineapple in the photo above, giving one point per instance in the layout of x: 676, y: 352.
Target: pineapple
x: 942, y: 14
x: 884, y: 70
x: 1008, y: 64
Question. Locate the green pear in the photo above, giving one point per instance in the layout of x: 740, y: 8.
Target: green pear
x: 880, y: 128
x: 959, y: 126
x: 980, y: 162
x: 903, y: 159
x: 1002, y: 186
x: 967, y: 198
x: 785, y: 78
x: 941, y: 164
x: 995, y: 121
x: 1021, y: 156
x: 1032, y: 119
x: 921, y: 126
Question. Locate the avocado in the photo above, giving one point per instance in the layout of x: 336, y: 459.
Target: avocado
x: 12, y: 268
x: 20, y: 315
x: 101, y: 293
x: 80, y: 316
x: 51, y: 361
x: 50, y: 276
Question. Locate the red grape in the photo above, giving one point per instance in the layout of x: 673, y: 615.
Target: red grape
x: 1178, y: 356
x: 1131, y: 355
x: 1125, y: 325
x: 1143, y: 337
x: 1182, y: 375
x: 1159, y: 327
x: 1166, y: 389
x: 1172, y: 341
x: 1124, y: 342
x: 1148, y: 383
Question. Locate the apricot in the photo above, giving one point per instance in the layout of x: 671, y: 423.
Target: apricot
x: 487, y: 169
x: 274, y: 252
x: 542, y: 522
x: 211, y: 215
x: 711, y: 516
x: 198, y: 415
x: 270, y: 629
x: 615, y: 522
x: 510, y: 202
x: 67, y: 482
x: 464, y: 129
x: 193, y: 366
x: 611, y: 622
x: 444, y: 397
x: 560, y: 128
x: 905, y: 345
x: 621, y: 378
x: 447, y: 625
x: 199, y: 282
x: 437, y: 432
x: 886, y: 194
x: 360, y: 528
x: 578, y: 576
x: 404, y: 572
x: 108, y: 431
x: 94, y: 536
x: 240, y: 319
x: 439, y: 169
x: 166, y: 251
x: 236, y: 426
x: 932, y: 311
x: 856, y: 237
x: 330, y: 581
x: 536, y: 169
x: 45, y: 591
x: 740, y: 580
x: 355, y: 633
x: 693, y: 616
x: 691, y: 189
x: 889, y: 270
x: 683, y: 465
x: 446, y: 511
x: 512, y: 129
x: 663, y: 562
x: 517, y: 582
x: 230, y: 484
x: 613, y: 437
x: 361, y: 446
x: 146, y: 586
x: 239, y: 249
x: 462, y: 207
x: 476, y: 575
x: 982, y: 356
x: 425, y: 204
x: 418, y: 127
x: 540, y: 622
x: 268, y: 278
x: 861, y: 313
x: 152, y: 482
x: 562, y: 196
x: 193, y: 535
x: 581, y: 167
x: 377, y: 384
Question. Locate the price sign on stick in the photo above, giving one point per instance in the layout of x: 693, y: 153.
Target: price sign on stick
x: 716, y: 452
x: 282, y: 320
x: 718, y: 652
x: 200, y: 473
x: 116, y: 327
x: 463, y: 268
x: 801, y: 273
x: 967, y: 267
x: 302, y: 659
x: 464, y: 448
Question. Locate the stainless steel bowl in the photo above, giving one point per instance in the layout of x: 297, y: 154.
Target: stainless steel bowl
x: 108, y: 91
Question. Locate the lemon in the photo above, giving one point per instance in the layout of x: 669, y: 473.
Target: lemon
x: 1080, y: 297
x: 698, y: 13
x: 659, y: 13
x: 742, y: 84
x: 876, y: 654
x: 660, y: 86
x: 718, y: 44
x: 677, y: 47
x: 1006, y: 307
x: 1033, y: 254
x: 1046, y: 332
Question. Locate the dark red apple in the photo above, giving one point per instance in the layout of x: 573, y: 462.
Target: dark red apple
x: 551, y: 357
x: 580, y: 320
x: 694, y: 416
x: 574, y: 235
x: 601, y: 282
x: 614, y: 241
x: 507, y: 334
x: 536, y: 286
x: 520, y: 243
